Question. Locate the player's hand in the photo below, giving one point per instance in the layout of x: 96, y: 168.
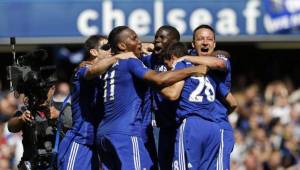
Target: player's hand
x: 124, y: 56
x: 201, y: 70
x: 26, y: 117
x: 221, y: 53
x: 147, y: 48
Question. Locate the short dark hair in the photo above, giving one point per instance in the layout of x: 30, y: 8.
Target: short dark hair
x: 114, y: 37
x: 93, y: 41
x: 178, y: 49
x: 172, y: 30
x: 203, y: 26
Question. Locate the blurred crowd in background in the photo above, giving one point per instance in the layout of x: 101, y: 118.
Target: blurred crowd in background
x: 267, y: 127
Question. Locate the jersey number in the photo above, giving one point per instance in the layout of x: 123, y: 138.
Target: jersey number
x: 204, y: 84
x: 111, y: 82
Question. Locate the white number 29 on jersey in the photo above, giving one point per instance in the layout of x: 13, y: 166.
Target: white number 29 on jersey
x: 204, y: 84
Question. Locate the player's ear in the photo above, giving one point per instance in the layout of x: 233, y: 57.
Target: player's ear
x: 193, y: 44
x: 122, y: 46
x: 173, y: 57
x: 93, y: 52
x: 214, y: 45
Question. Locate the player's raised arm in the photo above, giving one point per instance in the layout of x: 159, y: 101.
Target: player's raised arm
x: 212, y: 62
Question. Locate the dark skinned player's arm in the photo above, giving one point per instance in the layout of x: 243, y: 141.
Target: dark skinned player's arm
x: 101, y: 65
x: 168, y: 78
x: 212, y: 62
x: 231, y: 102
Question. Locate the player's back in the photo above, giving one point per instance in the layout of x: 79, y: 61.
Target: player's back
x: 123, y: 94
x: 85, y: 113
x: 197, y: 96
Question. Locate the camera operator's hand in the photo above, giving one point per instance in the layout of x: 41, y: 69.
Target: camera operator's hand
x: 26, y: 117
x: 16, y: 124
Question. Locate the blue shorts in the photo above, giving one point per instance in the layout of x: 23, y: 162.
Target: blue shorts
x: 75, y: 156
x: 124, y: 152
x: 226, y: 147
x: 197, y: 145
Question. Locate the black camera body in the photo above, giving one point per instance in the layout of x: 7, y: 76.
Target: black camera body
x: 29, y: 75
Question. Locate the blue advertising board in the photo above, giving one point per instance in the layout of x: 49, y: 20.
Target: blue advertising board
x: 79, y: 18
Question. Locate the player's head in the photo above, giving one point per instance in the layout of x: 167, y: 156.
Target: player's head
x: 164, y: 36
x: 204, y: 40
x: 96, y: 46
x: 174, y: 51
x: 124, y: 39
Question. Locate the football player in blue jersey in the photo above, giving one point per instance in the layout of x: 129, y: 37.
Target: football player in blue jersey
x: 164, y: 109
x: 204, y: 44
x: 198, y: 138
x: 119, y: 132
x: 77, y: 149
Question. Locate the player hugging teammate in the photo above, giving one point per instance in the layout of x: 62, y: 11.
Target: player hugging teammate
x: 117, y: 90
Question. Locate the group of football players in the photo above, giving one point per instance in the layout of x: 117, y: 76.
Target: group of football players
x: 121, y: 88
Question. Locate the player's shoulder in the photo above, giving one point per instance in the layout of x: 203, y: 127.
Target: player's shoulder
x: 80, y: 71
x: 181, y: 63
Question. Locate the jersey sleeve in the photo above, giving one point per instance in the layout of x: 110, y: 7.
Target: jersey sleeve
x: 223, y: 90
x: 227, y: 62
x: 80, y: 73
x: 137, y: 68
x: 180, y: 65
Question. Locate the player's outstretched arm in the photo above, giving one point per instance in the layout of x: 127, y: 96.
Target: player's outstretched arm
x: 231, y: 102
x: 212, y: 62
x: 101, y: 66
x: 168, y: 78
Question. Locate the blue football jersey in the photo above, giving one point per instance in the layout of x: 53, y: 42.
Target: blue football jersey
x: 123, y: 94
x: 86, y: 113
x: 223, y: 79
x: 197, y: 96
x: 165, y: 110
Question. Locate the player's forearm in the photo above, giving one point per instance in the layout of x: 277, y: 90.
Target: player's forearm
x: 232, y: 103
x: 172, y: 92
x: 15, y: 124
x: 170, y: 77
x: 212, y: 62
x: 100, y: 67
